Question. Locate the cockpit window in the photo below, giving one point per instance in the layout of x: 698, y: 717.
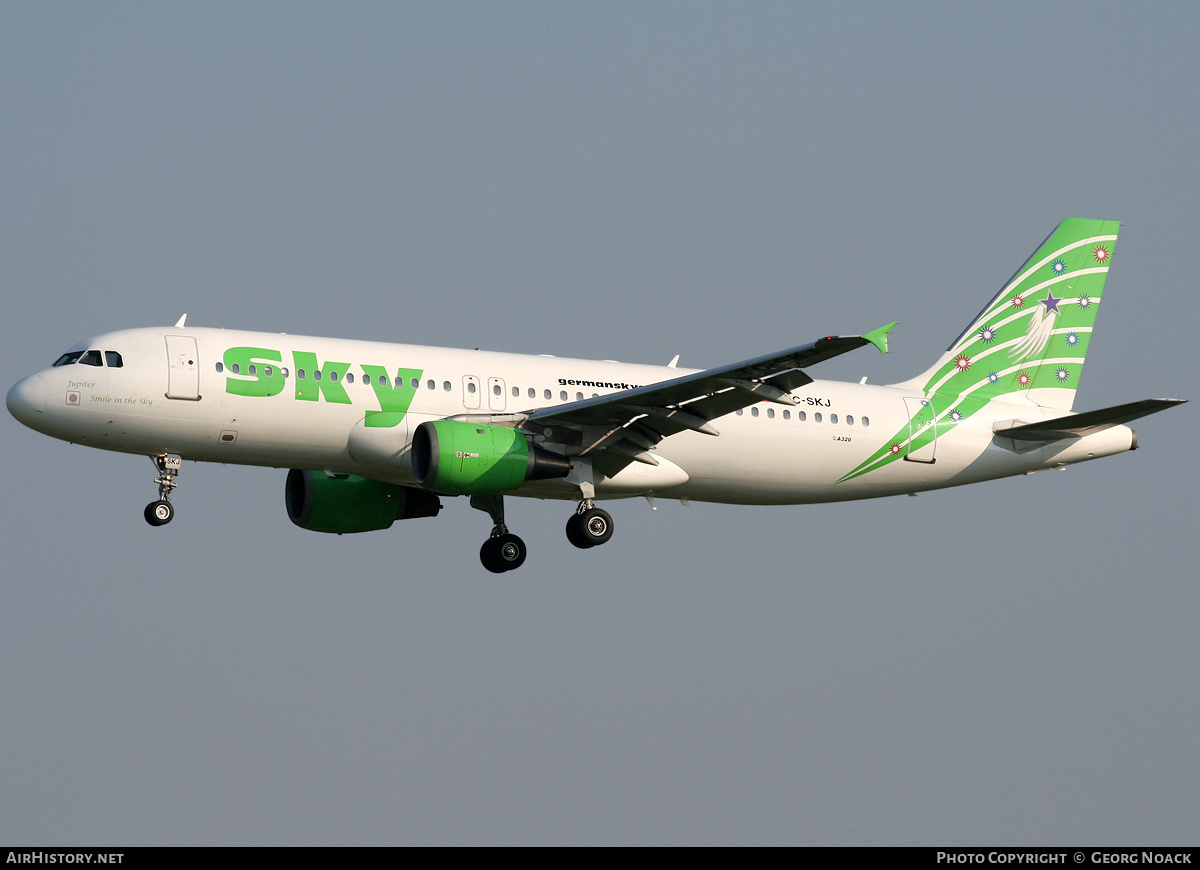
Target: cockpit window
x: 112, y: 359
x: 91, y: 358
x: 69, y: 358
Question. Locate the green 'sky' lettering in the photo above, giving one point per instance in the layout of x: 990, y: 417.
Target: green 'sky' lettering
x: 323, y: 379
x: 251, y: 373
x: 264, y: 380
x: 394, y: 395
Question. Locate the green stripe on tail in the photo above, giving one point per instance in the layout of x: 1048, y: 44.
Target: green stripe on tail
x: 1026, y: 346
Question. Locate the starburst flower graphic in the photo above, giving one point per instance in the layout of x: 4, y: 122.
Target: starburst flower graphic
x: 993, y: 377
x: 1062, y: 374
x: 987, y: 335
x: 1072, y: 339
x: 955, y: 416
x: 1023, y: 379
x: 1058, y: 267
x: 1018, y: 302
x: 962, y: 363
x: 1085, y: 301
x: 1100, y: 255
x: 894, y: 449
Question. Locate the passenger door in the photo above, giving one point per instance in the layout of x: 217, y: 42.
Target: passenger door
x: 183, y: 368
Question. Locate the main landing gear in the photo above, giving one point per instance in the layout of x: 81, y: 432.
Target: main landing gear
x: 161, y: 512
x: 589, y: 526
x: 502, y: 551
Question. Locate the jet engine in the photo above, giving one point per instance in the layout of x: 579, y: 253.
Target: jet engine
x: 341, y: 503
x: 463, y: 458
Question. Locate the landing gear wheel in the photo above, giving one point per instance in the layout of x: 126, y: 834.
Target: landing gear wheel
x: 489, y: 556
x: 591, y: 528
x: 597, y: 525
x: 575, y: 533
x: 503, y: 553
x: 159, y: 513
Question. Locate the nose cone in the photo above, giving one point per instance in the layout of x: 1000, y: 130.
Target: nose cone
x: 27, y: 400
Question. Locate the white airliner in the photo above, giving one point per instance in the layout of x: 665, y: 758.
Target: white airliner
x: 377, y: 432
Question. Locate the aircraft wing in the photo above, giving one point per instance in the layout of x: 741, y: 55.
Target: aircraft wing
x: 622, y: 427
x: 1078, y: 425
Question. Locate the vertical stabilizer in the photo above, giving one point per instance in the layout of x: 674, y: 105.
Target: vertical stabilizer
x: 1028, y: 344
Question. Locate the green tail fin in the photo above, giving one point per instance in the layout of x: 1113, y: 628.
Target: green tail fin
x: 1029, y: 343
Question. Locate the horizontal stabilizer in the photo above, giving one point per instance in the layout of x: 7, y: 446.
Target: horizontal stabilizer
x: 1078, y: 425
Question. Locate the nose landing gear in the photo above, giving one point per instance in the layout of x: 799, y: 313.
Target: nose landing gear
x: 161, y: 512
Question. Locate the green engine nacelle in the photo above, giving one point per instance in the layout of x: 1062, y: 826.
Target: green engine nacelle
x: 462, y: 458
x: 343, y: 503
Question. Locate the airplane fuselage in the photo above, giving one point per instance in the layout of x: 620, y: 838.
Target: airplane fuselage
x: 347, y: 406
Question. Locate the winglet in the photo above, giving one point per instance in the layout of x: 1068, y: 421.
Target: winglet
x: 182, y: 324
x: 878, y: 337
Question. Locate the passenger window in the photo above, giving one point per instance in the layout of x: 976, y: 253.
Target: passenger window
x: 446, y: 386
x: 236, y: 369
x: 787, y: 415
x: 284, y: 372
x: 833, y: 418
x: 849, y: 420
x: 470, y: 386
x: 817, y: 417
x: 91, y: 358
x: 738, y: 412
x: 68, y: 359
x: 113, y: 359
x: 516, y: 392
x: 547, y: 394
x: 299, y: 374
x: 349, y: 377
x: 532, y: 393
x: 414, y: 383
x: 251, y: 369
x: 220, y: 367
x: 429, y: 384
x: 562, y: 395
x: 317, y: 375
x: 333, y: 376
x: 495, y: 389
x: 754, y: 411
x: 801, y: 416
x: 866, y: 421
x: 771, y: 413
x: 579, y: 397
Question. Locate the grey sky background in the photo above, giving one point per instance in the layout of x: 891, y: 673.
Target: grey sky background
x: 1009, y: 663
